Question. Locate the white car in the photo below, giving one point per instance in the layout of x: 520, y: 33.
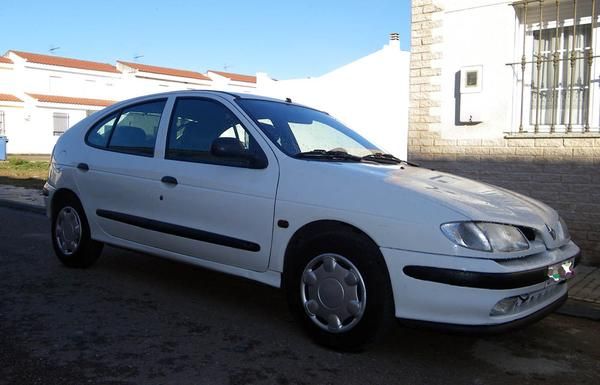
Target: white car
x: 286, y: 195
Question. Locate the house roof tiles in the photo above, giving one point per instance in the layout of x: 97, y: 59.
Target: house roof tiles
x: 66, y: 62
x: 71, y: 100
x: 165, y: 71
x: 236, y: 77
x: 9, y: 98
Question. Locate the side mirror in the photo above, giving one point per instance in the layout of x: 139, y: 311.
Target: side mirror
x: 233, y: 149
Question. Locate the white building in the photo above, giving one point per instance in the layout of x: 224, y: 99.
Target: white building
x: 517, y: 67
x: 507, y: 92
x: 370, y: 95
x: 42, y: 95
x: 142, y: 79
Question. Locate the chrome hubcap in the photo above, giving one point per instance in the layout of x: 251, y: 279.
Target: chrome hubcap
x: 68, y: 230
x: 333, y: 293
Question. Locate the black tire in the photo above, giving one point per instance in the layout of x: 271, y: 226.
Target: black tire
x: 378, y: 314
x: 87, y: 251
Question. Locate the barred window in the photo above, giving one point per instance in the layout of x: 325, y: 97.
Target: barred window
x: 555, y: 89
x: 61, y: 123
x: 557, y: 66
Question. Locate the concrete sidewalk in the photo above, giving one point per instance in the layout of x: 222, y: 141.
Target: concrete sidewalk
x: 584, y: 291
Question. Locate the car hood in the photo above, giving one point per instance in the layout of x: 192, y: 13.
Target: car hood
x: 416, y: 200
x: 475, y: 200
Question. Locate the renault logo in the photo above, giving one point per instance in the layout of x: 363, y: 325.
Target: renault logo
x: 551, y: 231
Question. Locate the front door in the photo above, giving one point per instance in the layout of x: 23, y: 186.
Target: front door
x: 211, y: 207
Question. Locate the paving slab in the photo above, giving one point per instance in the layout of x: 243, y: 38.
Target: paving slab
x: 22, y: 198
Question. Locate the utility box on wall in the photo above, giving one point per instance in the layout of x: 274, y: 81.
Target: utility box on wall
x: 471, y: 103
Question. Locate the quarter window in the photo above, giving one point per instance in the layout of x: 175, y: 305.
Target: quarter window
x: 196, y: 123
x: 99, y: 135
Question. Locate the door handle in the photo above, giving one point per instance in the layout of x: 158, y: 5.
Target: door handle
x: 83, y: 167
x: 169, y: 180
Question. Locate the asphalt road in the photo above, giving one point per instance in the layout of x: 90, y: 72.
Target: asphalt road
x: 138, y: 319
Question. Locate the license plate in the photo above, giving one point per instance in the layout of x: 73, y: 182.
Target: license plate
x: 561, y: 271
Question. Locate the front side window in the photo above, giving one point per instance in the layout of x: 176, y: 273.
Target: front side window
x: 296, y: 129
x: 197, y: 123
x: 131, y: 130
x: 61, y: 123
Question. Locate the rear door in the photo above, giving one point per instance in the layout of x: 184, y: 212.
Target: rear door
x: 118, y: 174
x: 214, y: 208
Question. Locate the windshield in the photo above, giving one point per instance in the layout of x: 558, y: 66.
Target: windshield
x: 298, y: 130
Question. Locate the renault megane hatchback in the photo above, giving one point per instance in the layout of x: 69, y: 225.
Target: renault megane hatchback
x: 286, y: 195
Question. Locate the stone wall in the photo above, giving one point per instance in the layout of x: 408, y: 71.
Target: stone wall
x: 562, y: 170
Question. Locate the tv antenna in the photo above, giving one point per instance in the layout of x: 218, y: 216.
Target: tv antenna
x: 52, y: 49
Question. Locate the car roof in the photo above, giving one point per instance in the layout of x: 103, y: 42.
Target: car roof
x: 187, y: 93
x: 232, y: 95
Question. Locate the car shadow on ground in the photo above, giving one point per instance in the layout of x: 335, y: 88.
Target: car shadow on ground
x: 253, y: 319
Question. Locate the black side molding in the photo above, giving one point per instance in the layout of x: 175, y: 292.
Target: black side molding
x: 180, y: 231
x: 493, y: 281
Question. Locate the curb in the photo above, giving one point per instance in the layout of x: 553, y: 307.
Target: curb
x: 23, y: 206
x: 580, y: 309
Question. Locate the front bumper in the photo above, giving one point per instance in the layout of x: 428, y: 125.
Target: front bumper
x: 462, y: 292
x: 48, y: 191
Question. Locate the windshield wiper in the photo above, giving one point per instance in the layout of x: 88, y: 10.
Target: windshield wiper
x: 387, y: 159
x: 328, y: 155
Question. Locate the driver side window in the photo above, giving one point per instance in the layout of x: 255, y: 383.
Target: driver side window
x: 196, y: 123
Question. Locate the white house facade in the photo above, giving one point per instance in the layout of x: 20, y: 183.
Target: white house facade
x: 526, y: 67
x: 42, y: 95
x: 508, y: 92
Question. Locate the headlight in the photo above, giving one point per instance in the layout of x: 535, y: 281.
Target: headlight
x: 485, y: 236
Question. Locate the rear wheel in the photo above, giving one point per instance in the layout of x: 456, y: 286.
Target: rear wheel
x: 71, y: 235
x: 337, y: 285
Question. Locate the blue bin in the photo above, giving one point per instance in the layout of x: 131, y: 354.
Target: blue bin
x: 3, y: 141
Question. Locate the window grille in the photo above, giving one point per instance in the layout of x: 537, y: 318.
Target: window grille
x: 556, y: 66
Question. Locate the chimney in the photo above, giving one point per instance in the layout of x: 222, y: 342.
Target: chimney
x: 394, y: 40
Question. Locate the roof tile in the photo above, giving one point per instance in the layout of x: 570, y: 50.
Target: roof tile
x: 5, y: 60
x: 65, y: 62
x: 236, y: 77
x: 9, y: 98
x: 165, y: 71
x: 71, y: 100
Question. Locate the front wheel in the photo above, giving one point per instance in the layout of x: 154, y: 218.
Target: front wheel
x: 71, y: 235
x: 338, y: 286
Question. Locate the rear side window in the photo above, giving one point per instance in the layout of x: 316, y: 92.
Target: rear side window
x: 131, y: 130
